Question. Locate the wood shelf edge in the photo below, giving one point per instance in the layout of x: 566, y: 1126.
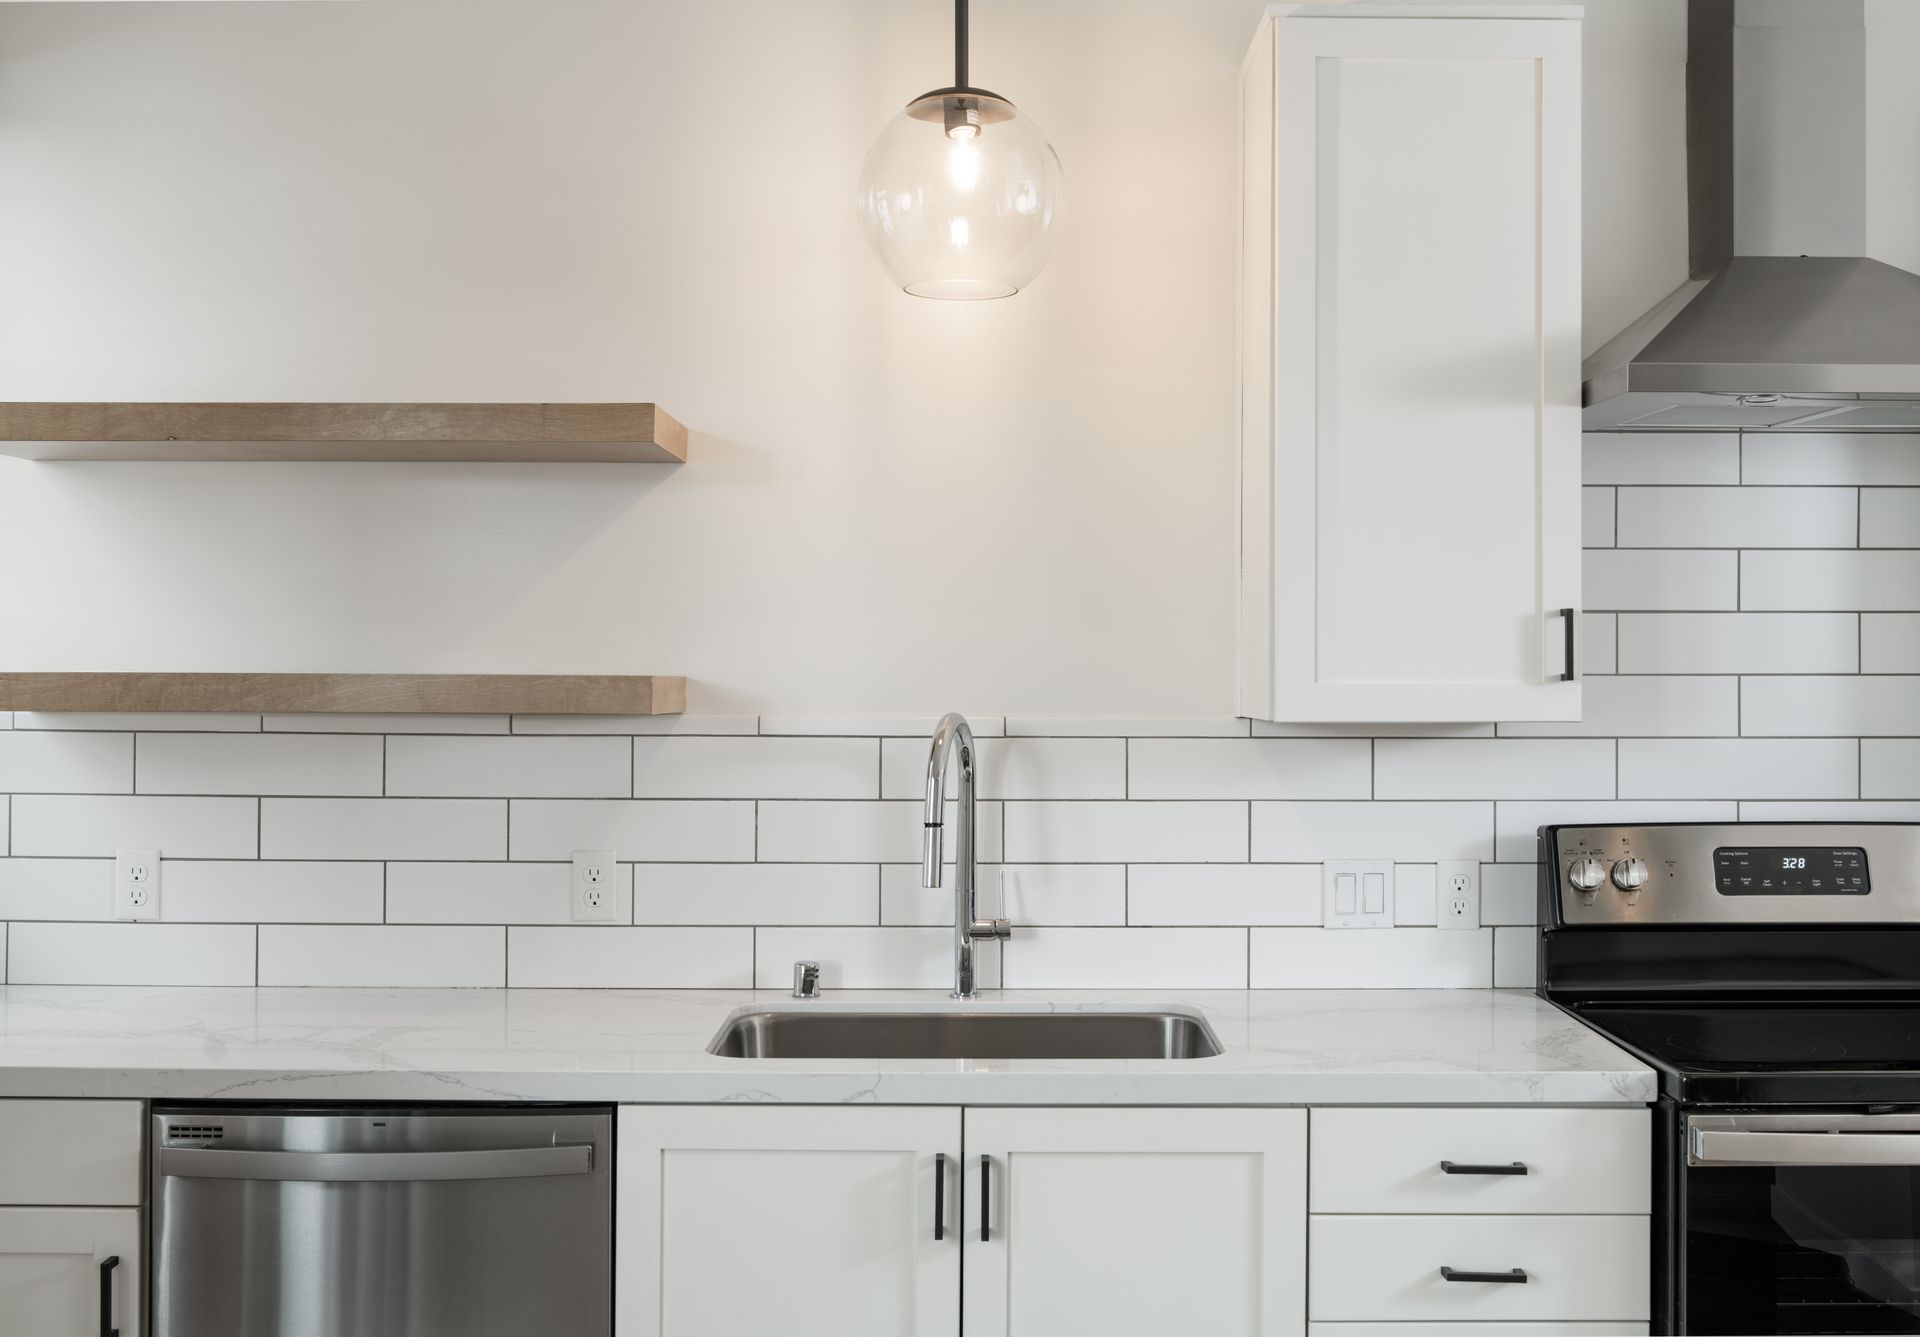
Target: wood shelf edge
x: 345, y: 693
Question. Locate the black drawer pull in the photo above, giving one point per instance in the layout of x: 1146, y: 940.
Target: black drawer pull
x: 1516, y: 1276
x: 940, y: 1196
x: 106, y: 1296
x: 1455, y: 1168
x: 986, y: 1186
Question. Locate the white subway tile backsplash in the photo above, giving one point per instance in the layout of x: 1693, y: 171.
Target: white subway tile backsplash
x: 135, y: 721
x: 1737, y: 517
x: 654, y: 830
x: 1809, y: 768
x: 163, y: 954
x: 400, y: 956
x: 63, y: 889
x: 1642, y: 579
x: 1739, y: 642
x: 385, y: 724
x: 807, y: 832
x: 1516, y: 958
x: 876, y: 726
x: 78, y: 826
x: 1646, y: 706
x: 1890, y: 517
x: 1849, y: 706
x: 1127, y: 958
x: 1509, y: 893
x: 241, y: 763
x: 758, y: 893
x: 66, y: 763
x: 1890, y: 642
x: 1022, y: 768
x: 1596, y: 517
x: 1405, y: 832
x: 1890, y: 768
x: 826, y: 768
x: 253, y: 891
x: 867, y: 958
x: 1857, y: 810
x: 1841, y: 459
x: 444, y: 767
x: 492, y: 893
x: 1268, y: 729
x: 630, y: 958
x: 1250, y: 768
x: 1173, y: 832
x: 1518, y: 824
x: 1026, y: 894
x: 1660, y: 457
x: 1126, y: 726
x: 1223, y: 894
x: 639, y: 725
x: 1879, y: 581
x: 1400, y: 958
x: 1425, y: 768
x: 383, y: 828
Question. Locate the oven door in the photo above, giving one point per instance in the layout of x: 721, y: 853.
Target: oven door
x: 1801, y: 1223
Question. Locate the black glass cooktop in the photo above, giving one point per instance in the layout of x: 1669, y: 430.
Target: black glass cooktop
x: 1769, y: 1051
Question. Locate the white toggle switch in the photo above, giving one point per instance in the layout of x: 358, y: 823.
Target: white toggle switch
x: 1356, y: 893
x: 1373, y: 893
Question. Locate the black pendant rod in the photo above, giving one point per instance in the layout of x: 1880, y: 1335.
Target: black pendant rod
x: 959, y: 43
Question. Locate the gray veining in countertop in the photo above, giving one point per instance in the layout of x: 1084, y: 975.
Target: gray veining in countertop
x: 1283, y: 1047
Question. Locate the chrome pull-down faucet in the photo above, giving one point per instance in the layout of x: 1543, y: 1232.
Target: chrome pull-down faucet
x: 952, y: 737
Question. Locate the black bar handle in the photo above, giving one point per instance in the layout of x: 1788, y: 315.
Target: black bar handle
x: 106, y: 1296
x: 940, y: 1196
x: 1571, y: 673
x: 1455, y: 1168
x: 986, y: 1189
x: 1516, y: 1276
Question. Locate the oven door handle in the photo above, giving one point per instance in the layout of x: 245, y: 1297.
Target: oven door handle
x: 376, y: 1166
x: 1712, y: 1146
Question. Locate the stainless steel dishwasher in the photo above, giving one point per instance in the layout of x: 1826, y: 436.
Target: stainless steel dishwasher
x: 367, y: 1222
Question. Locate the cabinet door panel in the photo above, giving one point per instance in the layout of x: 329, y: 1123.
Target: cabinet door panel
x: 50, y: 1261
x: 1418, y: 522
x: 1136, y: 1223
x: 798, y: 1220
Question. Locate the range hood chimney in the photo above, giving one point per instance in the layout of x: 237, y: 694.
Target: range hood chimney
x: 1784, y: 324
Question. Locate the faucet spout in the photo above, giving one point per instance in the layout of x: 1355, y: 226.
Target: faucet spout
x: 953, y: 740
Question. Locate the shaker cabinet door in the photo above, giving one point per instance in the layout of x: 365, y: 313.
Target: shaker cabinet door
x: 1410, y: 370
x: 69, y: 1271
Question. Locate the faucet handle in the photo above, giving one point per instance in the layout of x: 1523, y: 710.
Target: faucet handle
x: 991, y: 928
x: 806, y: 979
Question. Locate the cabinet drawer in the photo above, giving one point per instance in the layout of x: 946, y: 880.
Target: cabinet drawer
x: 70, y: 1153
x: 1388, y: 1267
x: 1389, y: 1160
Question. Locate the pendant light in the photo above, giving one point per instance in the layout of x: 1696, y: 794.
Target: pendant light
x: 960, y: 195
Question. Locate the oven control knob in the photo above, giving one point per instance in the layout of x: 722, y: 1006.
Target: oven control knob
x: 1586, y: 874
x: 1630, y: 874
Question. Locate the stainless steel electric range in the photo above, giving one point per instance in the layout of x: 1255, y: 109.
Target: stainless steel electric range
x: 1771, y: 973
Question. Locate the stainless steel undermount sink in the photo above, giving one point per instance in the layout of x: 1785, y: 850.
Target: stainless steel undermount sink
x: 818, y: 1033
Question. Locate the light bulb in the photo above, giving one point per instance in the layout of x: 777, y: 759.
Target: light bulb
x: 963, y: 165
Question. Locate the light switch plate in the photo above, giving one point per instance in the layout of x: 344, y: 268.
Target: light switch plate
x: 136, y: 884
x: 1345, y: 903
x: 1457, y: 896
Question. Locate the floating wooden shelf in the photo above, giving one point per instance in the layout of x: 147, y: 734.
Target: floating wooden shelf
x: 491, y: 433
x: 345, y: 693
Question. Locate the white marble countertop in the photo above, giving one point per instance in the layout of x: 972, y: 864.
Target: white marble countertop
x: 1282, y: 1048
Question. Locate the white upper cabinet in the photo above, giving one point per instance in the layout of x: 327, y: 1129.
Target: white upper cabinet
x: 1410, y: 349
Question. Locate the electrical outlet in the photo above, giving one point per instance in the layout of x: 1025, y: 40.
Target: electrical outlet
x: 1357, y: 893
x: 596, y: 880
x: 136, y: 884
x: 1458, y: 897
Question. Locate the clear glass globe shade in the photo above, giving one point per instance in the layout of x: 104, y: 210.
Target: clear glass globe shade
x: 963, y: 205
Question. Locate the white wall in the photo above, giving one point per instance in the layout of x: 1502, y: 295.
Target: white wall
x: 893, y: 505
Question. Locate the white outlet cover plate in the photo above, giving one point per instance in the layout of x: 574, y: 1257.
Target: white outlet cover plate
x: 1457, y: 880
x: 136, y: 884
x: 585, y: 911
x: 1334, y: 869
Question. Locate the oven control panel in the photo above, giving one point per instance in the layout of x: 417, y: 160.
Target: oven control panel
x: 1732, y: 873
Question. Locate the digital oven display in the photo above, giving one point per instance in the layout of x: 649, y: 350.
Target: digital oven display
x: 1775, y: 870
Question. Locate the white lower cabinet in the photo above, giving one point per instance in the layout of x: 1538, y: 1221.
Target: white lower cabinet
x: 1135, y: 1222
x: 53, y: 1261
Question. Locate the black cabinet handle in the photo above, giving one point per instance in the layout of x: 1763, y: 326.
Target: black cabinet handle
x: 1455, y: 1168
x: 986, y: 1189
x: 1516, y: 1276
x: 106, y: 1296
x: 940, y: 1196
x: 1571, y: 673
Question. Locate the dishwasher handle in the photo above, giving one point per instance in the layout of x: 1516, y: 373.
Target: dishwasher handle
x: 337, y: 1167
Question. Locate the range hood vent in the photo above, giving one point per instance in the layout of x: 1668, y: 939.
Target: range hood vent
x: 1785, y: 324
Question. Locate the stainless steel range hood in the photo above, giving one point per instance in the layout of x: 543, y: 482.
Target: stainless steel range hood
x: 1785, y: 323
